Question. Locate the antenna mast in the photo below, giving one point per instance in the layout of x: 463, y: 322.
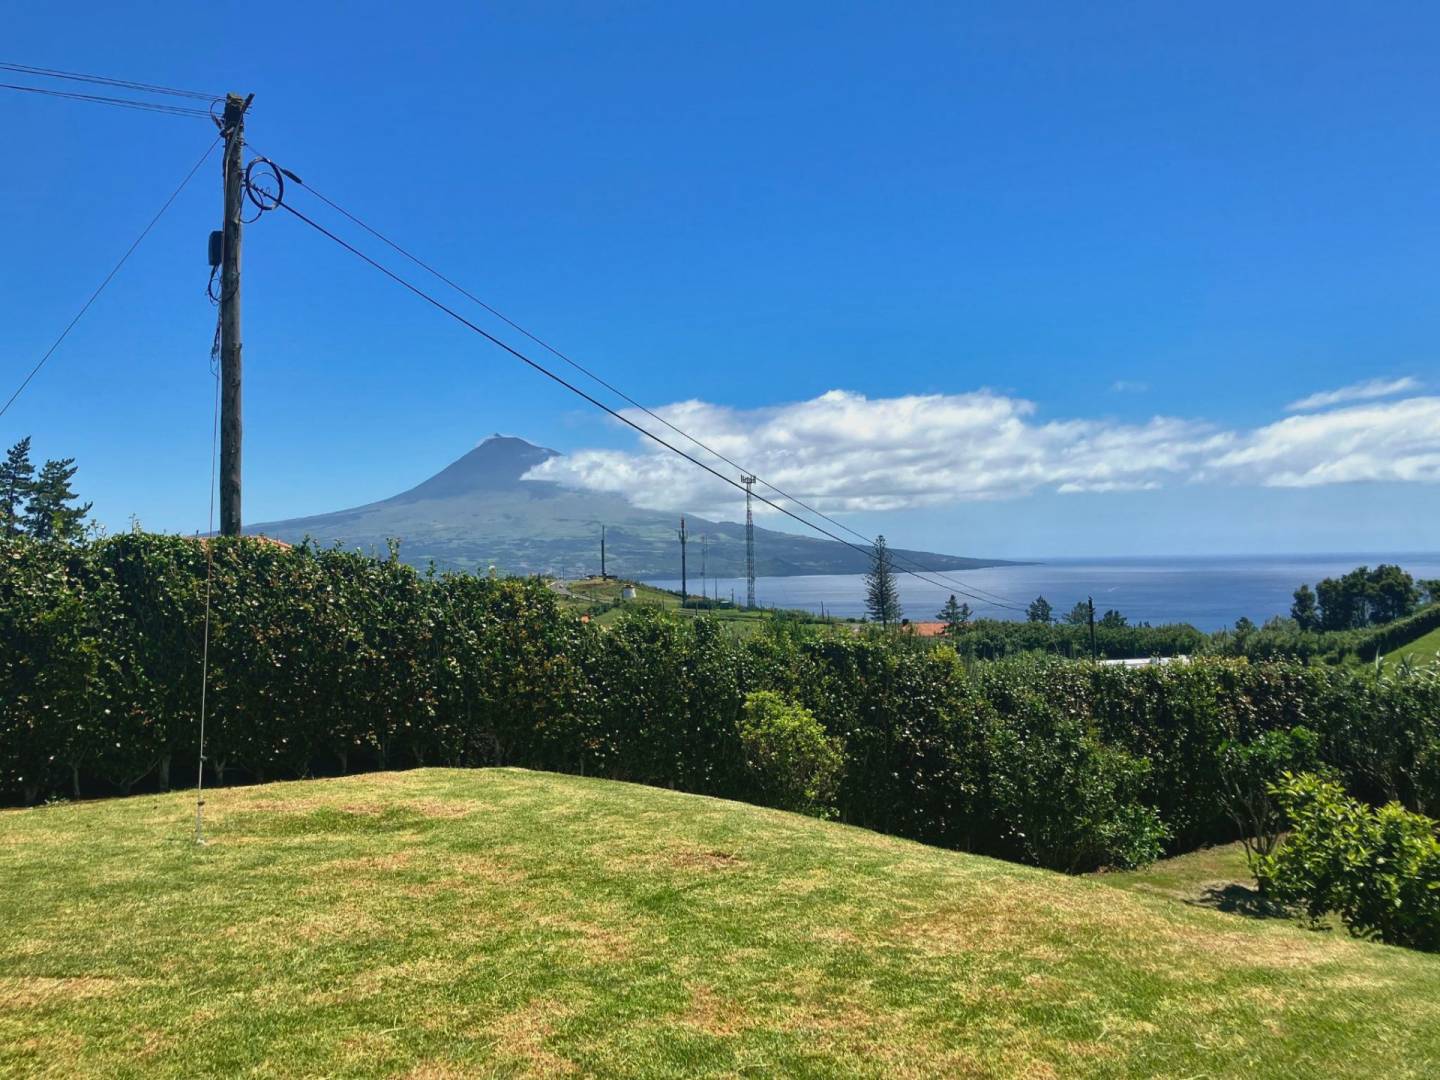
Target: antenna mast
x: 749, y: 482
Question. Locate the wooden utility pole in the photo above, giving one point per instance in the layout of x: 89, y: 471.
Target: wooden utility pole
x: 232, y: 127
x: 603, y: 576
x: 1093, y: 654
x: 684, y: 584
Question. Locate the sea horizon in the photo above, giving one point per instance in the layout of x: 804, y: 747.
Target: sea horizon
x: 1210, y: 592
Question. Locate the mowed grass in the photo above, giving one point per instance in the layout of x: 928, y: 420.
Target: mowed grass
x: 444, y: 923
x: 589, y: 591
x: 1423, y: 650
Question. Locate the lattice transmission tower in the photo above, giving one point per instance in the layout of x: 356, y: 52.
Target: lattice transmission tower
x: 749, y: 482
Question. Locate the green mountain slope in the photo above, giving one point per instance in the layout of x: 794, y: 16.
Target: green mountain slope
x: 478, y: 512
x: 448, y: 923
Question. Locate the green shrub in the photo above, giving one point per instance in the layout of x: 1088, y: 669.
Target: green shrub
x: 794, y: 764
x: 1063, y: 798
x: 326, y: 660
x: 1250, y: 771
x: 1379, y: 870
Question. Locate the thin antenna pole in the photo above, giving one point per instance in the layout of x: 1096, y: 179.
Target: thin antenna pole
x: 205, y: 646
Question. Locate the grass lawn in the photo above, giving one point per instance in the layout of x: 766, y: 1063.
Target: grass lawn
x: 444, y: 923
x: 581, y: 595
x: 1423, y: 649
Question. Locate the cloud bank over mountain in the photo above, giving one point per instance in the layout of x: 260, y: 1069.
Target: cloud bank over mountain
x: 845, y: 452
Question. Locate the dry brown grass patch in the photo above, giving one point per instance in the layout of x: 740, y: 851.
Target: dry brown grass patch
x: 714, y: 1015
x: 24, y: 991
x: 520, y: 1036
x: 596, y: 942
x: 395, y: 861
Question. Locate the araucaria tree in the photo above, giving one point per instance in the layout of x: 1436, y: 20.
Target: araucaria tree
x: 17, y: 475
x: 1040, y: 611
x: 51, y: 513
x: 955, y: 616
x: 882, y: 596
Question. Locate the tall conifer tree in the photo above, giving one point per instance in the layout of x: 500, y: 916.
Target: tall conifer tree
x: 17, y: 475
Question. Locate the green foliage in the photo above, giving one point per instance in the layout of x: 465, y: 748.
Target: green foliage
x: 955, y: 616
x: 1378, y: 869
x: 16, y: 476
x: 1305, y: 610
x: 1366, y: 597
x: 325, y: 661
x: 51, y: 510
x: 1063, y: 797
x: 882, y: 595
x: 1250, y: 770
x: 992, y: 639
x: 794, y: 763
x: 1288, y: 638
x: 1040, y: 611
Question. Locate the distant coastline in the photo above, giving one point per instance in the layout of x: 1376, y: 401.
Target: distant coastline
x: 1208, y: 592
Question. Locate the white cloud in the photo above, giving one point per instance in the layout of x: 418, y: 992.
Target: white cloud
x: 1129, y: 386
x: 1361, y: 391
x: 1396, y: 441
x: 844, y: 452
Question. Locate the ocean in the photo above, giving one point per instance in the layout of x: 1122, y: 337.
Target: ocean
x: 1207, y: 592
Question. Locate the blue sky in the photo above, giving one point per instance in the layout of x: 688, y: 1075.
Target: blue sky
x: 1070, y: 222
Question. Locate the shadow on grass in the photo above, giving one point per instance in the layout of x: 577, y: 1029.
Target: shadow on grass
x: 1237, y: 899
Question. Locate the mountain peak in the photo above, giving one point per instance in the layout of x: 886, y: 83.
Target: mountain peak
x: 497, y: 464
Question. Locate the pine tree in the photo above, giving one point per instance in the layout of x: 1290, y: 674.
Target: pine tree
x: 1040, y: 611
x: 50, y: 513
x: 1303, y: 610
x: 955, y: 616
x: 17, y: 475
x: 882, y: 596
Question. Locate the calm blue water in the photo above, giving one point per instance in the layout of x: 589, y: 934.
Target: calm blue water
x: 1209, y: 593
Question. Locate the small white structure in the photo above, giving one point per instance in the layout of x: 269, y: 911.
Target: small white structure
x: 1145, y: 661
x: 627, y: 592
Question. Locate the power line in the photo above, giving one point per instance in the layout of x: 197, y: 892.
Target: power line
x: 76, y: 76
x: 100, y: 99
x: 985, y: 596
x: 542, y: 369
x: 108, y: 277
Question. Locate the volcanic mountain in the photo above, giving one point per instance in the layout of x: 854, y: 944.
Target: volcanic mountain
x: 480, y: 511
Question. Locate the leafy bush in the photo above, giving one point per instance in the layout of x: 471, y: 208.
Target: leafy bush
x: 1064, y: 798
x: 794, y: 763
x: 1378, y: 869
x: 1250, y: 771
x: 329, y: 661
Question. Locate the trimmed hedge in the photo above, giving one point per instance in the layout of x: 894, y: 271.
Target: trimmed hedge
x: 323, y: 661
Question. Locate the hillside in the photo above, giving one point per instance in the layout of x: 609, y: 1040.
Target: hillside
x: 444, y: 923
x: 480, y: 511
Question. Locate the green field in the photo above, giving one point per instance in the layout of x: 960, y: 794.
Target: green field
x: 584, y: 595
x: 445, y: 923
x: 1422, y: 649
